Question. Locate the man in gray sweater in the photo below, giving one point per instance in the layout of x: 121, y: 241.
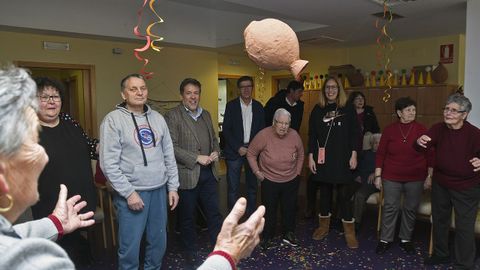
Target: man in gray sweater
x: 137, y: 157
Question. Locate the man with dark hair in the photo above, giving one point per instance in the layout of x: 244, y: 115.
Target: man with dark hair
x: 288, y: 99
x: 249, y: 112
x: 196, y: 151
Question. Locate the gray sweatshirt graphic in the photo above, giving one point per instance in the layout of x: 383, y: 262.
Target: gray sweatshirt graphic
x: 127, y: 165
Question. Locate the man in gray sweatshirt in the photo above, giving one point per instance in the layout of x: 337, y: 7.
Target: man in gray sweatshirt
x: 137, y: 157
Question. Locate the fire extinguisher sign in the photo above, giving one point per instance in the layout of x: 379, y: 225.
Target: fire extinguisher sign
x: 446, y: 53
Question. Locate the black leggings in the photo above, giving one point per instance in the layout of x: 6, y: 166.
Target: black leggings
x: 343, y: 200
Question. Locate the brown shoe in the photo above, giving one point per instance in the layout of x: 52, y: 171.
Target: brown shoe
x: 350, y: 237
x: 323, y: 227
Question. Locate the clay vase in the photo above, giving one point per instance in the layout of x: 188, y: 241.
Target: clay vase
x: 356, y: 79
x: 273, y: 45
x: 440, y: 74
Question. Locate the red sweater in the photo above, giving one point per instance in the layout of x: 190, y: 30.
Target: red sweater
x: 453, y: 150
x: 399, y: 160
x: 280, y: 159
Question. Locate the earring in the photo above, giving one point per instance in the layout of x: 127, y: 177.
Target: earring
x: 10, y: 204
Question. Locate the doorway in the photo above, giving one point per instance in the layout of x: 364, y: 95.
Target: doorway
x: 79, y: 82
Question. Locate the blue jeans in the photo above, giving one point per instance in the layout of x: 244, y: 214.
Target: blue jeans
x: 152, y: 219
x: 206, y: 193
x: 234, y: 169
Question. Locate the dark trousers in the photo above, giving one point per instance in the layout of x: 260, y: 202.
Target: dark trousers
x: 465, y: 205
x: 312, y: 187
x: 343, y: 200
x: 234, y: 170
x: 360, y: 200
x: 274, y: 193
x: 207, y: 193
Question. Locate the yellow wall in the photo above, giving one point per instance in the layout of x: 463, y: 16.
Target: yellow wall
x: 171, y: 65
x: 245, y: 66
x: 407, y: 54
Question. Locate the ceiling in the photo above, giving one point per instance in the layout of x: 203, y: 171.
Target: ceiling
x: 219, y: 24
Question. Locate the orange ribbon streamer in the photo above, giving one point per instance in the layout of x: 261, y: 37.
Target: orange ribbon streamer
x: 155, y: 38
x: 149, y: 38
x: 137, y: 51
x: 382, y: 53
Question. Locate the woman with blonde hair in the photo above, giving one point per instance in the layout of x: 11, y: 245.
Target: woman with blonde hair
x: 333, y: 133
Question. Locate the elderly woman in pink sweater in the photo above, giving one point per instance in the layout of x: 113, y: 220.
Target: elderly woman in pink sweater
x: 276, y: 157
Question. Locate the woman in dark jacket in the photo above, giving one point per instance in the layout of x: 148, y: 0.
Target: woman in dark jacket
x: 366, y: 118
x: 332, y: 155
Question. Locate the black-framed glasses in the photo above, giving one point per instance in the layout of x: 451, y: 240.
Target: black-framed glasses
x: 452, y: 110
x: 246, y: 87
x: 46, y: 98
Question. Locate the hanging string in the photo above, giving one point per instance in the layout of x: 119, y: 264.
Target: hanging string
x: 260, y: 88
x: 384, y: 40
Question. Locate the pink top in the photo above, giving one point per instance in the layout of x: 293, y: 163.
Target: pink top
x: 279, y: 159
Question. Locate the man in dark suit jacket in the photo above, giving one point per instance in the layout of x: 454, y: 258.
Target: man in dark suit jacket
x: 196, y: 151
x: 244, y: 118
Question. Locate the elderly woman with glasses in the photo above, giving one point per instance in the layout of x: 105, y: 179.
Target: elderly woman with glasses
x: 276, y: 157
x: 70, y: 151
x: 456, y: 182
x: 28, y: 245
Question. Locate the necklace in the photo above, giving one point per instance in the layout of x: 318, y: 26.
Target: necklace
x: 404, y: 136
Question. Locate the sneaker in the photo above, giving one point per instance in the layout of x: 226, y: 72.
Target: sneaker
x: 407, y: 247
x: 434, y: 260
x: 289, y: 238
x: 382, y: 247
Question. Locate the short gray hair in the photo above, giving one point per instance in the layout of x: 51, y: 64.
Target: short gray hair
x: 461, y: 100
x: 280, y: 112
x: 17, y: 93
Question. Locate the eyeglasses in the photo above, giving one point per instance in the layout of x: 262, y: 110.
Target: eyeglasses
x: 331, y: 87
x: 46, y: 98
x: 246, y: 87
x: 452, y: 110
x: 282, y: 123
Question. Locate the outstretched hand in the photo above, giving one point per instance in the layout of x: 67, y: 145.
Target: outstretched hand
x: 67, y: 212
x: 475, y: 163
x: 239, y: 240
